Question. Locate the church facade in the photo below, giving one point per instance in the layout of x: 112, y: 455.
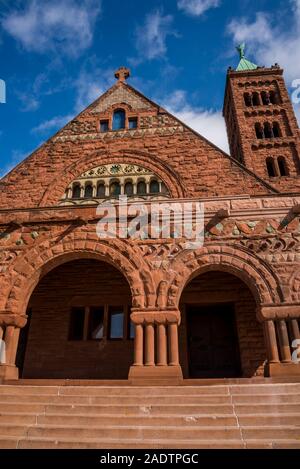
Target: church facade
x: 74, y: 305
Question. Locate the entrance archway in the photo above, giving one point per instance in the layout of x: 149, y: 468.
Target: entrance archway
x: 220, y: 336
x: 79, y: 324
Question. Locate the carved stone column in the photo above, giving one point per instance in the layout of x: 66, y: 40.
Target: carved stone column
x: 271, y: 341
x: 162, y: 357
x: 285, y: 350
x: 279, y: 337
x: 139, y: 345
x: 10, y: 325
x: 161, y: 363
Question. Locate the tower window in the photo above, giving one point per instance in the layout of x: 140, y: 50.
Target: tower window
x: 282, y: 166
x: 274, y: 97
x: 104, y: 126
x: 76, y: 192
x: 88, y: 191
x: 247, y: 99
x: 276, y: 130
x: 255, y: 99
x: 132, y: 122
x: 268, y: 131
x: 265, y: 98
x: 271, y: 167
x: 259, y: 131
x: 118, y: 120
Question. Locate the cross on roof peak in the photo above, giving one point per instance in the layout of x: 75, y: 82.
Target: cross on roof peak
x: 122, y: 74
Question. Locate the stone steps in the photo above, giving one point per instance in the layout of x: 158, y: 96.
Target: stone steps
x: 230, y: 416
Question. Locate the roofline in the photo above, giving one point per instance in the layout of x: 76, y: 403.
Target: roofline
x: 163, y: 110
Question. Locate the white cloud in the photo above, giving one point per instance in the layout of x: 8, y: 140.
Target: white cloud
x: 54, y: 25
x: 89, y: 85
x: 269, y: 41
x: 152, y: 35
x: 197, y: 7
x: 54, y: 123
x: 207, y: 122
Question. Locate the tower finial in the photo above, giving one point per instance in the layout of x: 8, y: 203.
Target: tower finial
x: 122, y: 74
x: 241, y: 50
x: 244, y: 63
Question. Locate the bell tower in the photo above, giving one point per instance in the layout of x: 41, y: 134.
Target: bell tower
x: 261, y: 125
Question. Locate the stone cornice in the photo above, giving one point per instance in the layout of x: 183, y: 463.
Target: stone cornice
x: 240, y: 207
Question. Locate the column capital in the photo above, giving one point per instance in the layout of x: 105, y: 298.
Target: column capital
x: 11, y: 319
x: 155, y: 316
x: 266, y: 312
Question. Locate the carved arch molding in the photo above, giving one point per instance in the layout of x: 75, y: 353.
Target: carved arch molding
x: 56, y: 188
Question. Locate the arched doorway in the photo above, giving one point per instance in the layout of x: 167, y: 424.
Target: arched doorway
x: 79, y: 324
x: 219, y: 336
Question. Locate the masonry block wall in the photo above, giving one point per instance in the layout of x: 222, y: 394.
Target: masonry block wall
x: 49, y: 352
x: 255, y: 101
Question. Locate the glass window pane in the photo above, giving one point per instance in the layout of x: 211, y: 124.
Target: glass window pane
x: 104, y: 126
x: 76, y: 323
x: 141, y: 188
x: 76, y: 192
x: 133, y: 123
x: 88, y: 192
x: 96, y: 323
x: 119, y: 120
x: 101, y: 190
x: 115, y: 189
x: 116, y: 322
x: 154, y: 187
x: 132, y: 330
x: 129, y: 188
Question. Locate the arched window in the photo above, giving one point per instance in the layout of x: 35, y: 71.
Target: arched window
x: 271, y: 167
x: 268, y: 130
x: 76, y: 192
x: 274, y: 97
x: 247, y: 99
x: 255, y: 99
x: 282, y: 166
x: 154, y: 187
x: 101, y: 190
x: 259, y: 131
x: 88, y: 191
x: 276, y: 130
x: 141, y: 188
x: 128, y: 189
x: 115, y: 188
x: 118, y: 120
x: 265, y: 98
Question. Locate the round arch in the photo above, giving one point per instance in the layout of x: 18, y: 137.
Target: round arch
x: 28, y: 270
x: 253, y: 271
x: 57, y: 187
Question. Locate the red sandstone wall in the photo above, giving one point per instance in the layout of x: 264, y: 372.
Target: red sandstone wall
x: 202, y: 169
x: 49, y: 353
x: 218, y: 287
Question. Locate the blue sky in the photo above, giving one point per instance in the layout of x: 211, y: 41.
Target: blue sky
x: 59, y: 55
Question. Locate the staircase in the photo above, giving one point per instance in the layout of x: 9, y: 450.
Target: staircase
x: 215, y: 416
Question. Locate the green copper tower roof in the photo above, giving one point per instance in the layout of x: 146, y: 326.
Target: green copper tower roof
x: 244, y: 63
